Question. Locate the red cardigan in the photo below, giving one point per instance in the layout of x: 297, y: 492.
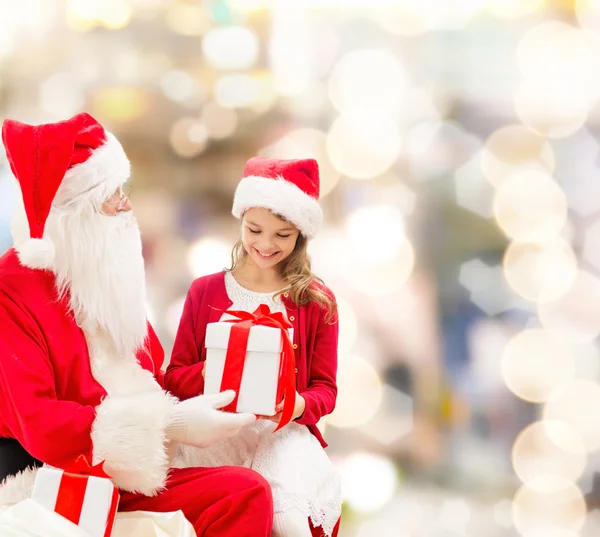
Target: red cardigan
x: 315, y: 344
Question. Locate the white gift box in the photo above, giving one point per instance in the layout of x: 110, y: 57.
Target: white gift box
x: 258, y: 390
x: 92, y: 507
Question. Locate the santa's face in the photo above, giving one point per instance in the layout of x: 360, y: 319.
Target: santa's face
x: 267, y: 238
x: 117, y: 203
x: 99, y: 266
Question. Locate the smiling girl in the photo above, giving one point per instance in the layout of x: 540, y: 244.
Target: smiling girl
x: 277, y: 203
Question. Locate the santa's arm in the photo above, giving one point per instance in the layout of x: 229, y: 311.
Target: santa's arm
x: 127, y: 432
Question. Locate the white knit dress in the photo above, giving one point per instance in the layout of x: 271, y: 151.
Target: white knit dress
x: 291, y: 460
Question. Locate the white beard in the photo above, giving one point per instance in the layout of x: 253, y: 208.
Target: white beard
x: 100, y: 269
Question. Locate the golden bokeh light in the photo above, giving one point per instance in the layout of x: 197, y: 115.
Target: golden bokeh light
x: 513, y: 8
x: 360, y: 393
x: 208, y: 255
x: 535, y: 363
x: 576, y: 404
x: 561, y: 509
x: 576, y: 315
x: 120, y: 103
x: 513, y: 148
x: 188, y: 137
x: 530, y: 206
x: 83, y: 15
x: 536, y: 454
x: 348, y: 326
x: 366, y: 78
x: 555, y: 111
x: 540, y: 271
x: 363, y: 144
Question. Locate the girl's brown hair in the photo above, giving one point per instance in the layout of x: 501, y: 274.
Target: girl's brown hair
x: 302, y: 285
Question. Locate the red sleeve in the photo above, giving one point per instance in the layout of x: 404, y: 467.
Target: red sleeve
x: 321, y: 392
x: 53, y: 431
x: 184, y: 375
x: 157, y: 355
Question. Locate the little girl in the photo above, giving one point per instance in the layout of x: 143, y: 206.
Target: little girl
x: 277, y: 203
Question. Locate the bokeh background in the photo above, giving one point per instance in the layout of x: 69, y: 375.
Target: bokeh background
x: 459, y: 150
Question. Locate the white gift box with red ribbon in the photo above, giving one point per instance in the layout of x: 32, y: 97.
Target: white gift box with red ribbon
x: 90, y: 501
x: 261, y: 370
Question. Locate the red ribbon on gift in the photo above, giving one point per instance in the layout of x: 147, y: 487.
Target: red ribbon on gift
x: 236, y: 356
x: 71, y: 491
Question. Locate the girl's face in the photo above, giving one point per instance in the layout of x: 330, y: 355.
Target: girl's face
x: 267, y: 238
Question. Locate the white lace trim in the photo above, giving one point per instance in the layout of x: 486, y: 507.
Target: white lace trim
x: 246, y: 300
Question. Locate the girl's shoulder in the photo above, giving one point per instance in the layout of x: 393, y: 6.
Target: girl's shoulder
x: 208, y: 282
x: 319, y: 286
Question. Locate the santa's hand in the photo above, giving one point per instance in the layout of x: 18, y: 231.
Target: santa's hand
x: 198, y: 422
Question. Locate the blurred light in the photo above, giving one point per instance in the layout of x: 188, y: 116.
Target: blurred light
x: 536, y: 513
x: 173, y: 315
x: 564, y: 59
x: 348, y: 326
x: 376, y: 232
x: 188, y: 19
x: 541, y: 272
x: 404, y: 18
x: 380, y: 257
x: 398, y: 194
x: 487, y: 286
x: 120, y: 103
x: 535, y: 363
x: 368, y: 481
x: 188, y: 137
x: 437, y: 148
x: 473, y: 192
x: 208, y: 255
x: 455, y: 514
x: 62, y: 95
x: 363, y: 144
x: 394, y: 420
x: 591, y: 245
x: 307, y: 143
x: 502, y: 513
x: 576, y: 404
x: 236, y: 91
x: 265, y: 96
x: 553, y: 111
x: 576, y: 315
x: 513, y: 148
x: 367, y: 78
x: 231, y: 47
x: 291, y: 48
x: 360, y: 392
x: 588, y: 14
x: 84, y: 15
x: 530, y: 206
x: 179, y: 86
x: 248, y: 6
x: 220, y: 122
x: 536, y: 455
x: 513, y: 8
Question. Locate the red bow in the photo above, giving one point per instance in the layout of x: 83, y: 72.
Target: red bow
x: 236, y: 355
x: 82, y: 466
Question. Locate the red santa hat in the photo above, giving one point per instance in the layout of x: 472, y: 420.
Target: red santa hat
x: 71, y: 163
x: 289, y: 188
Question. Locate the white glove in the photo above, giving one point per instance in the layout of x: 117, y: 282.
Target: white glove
x: 197, y: 422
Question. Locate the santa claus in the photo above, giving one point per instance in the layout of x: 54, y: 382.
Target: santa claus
x: 80, y: 367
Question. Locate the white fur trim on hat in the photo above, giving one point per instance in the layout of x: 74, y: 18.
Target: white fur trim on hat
x: 97, y: 178
x: 36, y: 253
x: 282, y: 198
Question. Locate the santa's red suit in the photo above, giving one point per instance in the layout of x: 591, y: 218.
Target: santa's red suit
x: 68, y: 386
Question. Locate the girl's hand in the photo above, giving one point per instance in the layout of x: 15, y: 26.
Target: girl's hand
x: 298, y: 410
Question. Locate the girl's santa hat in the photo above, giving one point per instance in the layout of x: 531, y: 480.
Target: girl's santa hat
x: 289, y: 188
x: 70, y: 166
